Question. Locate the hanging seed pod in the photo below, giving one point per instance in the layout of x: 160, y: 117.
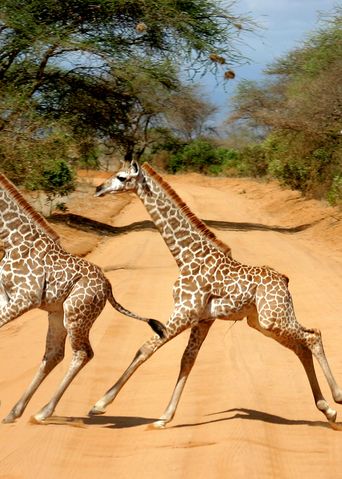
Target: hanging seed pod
x: 141, y: 27
x: 217, y: 58
x: 213, y: 57
x: 229, y: 75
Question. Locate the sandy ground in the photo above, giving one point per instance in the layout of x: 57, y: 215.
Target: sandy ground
x: 247, y: 409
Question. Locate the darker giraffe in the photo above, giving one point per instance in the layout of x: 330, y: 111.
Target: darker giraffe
x: 212, y: 285
x: 36, y: 272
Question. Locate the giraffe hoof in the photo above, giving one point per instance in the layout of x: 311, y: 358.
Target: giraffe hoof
x: 8, y: 419
x: 96, y: 411
x: 330, y: 414
x: 44, y: 421
x: 37, y: 420
x: 160, y: 424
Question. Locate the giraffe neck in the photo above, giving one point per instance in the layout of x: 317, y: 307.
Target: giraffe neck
x: 182, y: 231
x: 19, y: 222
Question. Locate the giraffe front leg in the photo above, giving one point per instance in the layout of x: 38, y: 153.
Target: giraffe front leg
x: 54, y: 353
x: 18, y: 299
x: 145, y: 352
x: 141, y: 356
x: 197, y: 336
x: 183, y: 317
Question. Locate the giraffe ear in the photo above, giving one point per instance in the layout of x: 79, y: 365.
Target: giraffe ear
x: 135, y: 168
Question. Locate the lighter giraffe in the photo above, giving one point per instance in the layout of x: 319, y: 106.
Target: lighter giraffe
x: 212, y: 285
x: 36, y: 272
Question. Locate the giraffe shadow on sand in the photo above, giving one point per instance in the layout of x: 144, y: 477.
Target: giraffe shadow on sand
x: 111, y: 422
x: 254, y: 415
x: 126, y: 422
x: 87, y: 224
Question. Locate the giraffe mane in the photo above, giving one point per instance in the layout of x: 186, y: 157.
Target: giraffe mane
x: 25, y: 206
x: 196, y: 222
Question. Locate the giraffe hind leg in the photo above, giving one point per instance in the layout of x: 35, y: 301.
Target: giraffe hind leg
x: 315, y: 344
x: 54, y: 353
x: 275, y: 317
x: 78, y: 320
x: 82, y: 354
x: 305, y: 356
x: 305, y: 348
x: 305, y: 343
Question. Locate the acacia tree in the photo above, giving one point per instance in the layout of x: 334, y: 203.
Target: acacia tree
x: 79, y: 62
x: 118, y: 108
x: 34, y: 32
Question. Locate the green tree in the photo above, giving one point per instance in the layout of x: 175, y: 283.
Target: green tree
x: 105, y: 68
x: 299, y: 111
x: 203, y: 156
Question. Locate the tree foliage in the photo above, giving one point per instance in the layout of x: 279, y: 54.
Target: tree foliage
x: 101, y: 70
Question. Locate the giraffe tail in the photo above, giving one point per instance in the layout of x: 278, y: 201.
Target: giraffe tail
x: 157, y: 326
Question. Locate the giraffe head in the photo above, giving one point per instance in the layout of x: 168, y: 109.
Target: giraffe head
x: 125, y: 180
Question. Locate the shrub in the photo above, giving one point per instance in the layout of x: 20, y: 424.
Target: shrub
x: 202, y: 156
x: 252, y: 161
x: 57, y: 179
x: 195, y: 156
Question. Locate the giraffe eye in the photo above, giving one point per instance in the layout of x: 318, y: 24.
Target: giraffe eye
x: 121, y: 178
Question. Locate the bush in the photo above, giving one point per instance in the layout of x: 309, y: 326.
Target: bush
x: 195, y: 156
x: 201, y: 156
x: 252, y: 161
x: 310, y: 170
x: 57, y: 179
x: 292, y: 172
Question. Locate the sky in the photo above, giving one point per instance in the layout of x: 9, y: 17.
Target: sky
x: 285, y: 24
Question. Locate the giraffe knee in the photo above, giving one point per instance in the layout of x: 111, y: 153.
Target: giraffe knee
x: 85, y: 353
x: 51, y: 359
x: 313, y: 339
x: 141, y: 354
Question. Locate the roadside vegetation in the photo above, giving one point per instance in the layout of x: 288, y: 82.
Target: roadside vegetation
x: 287, y: 127
x: 82, y: 81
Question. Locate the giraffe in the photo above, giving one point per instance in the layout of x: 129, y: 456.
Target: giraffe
x: 212, y: 285
x: 36, y: 272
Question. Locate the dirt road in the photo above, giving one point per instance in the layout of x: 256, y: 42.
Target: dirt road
x: 247, y: 409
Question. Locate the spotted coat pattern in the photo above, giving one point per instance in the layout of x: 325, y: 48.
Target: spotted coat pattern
x: 36, y: 272
x: 212, y: 285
